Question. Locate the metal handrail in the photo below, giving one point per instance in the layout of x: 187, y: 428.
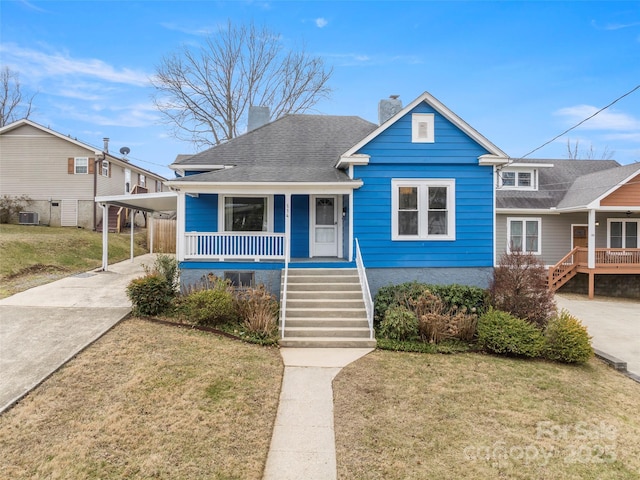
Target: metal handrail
x: 364, y: 284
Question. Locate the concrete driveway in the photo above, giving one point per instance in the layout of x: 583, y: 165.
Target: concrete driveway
x: 614, y: 325
x: 44, y: 327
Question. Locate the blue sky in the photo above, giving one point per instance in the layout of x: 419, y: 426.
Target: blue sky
x: 518, y: 72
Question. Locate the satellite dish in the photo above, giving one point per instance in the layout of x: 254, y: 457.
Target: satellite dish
x: 125, y: 151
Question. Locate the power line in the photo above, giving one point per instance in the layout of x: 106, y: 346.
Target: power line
x: 580, y: 123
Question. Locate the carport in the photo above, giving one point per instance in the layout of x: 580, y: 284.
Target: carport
x: 143, y: 202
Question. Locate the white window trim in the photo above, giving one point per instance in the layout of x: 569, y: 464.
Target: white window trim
x: 75, y: 165
x: 104, y: 164
x: 524, y: 232
x: 623, y: 220
x: 416, y: 120
x: 267, y: 206
x: 534, y: 179
x: 423, y: 184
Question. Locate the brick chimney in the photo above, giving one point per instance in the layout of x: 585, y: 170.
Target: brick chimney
x: 388, y: 107
x: 258, y: 116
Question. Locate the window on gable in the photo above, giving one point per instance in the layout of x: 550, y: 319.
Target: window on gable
x: 523, y: 235
x: 245, y: 214
x: 81, y: 165
x: 623, y: 233
x: 422, y: 128
x: 105, y: 168
x: 512, y: 179
x: 143, y: 180
x: 423, y: 209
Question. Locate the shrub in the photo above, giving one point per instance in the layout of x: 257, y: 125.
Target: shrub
x: 165, y: 266
x: 567, y: 339
x: 258, y: 310
x: 432, y: 317
x: 11, y: 206
x: 520, y: 287
x: 150, y: 295
x: 454, y: 297
x: 501, y: 332
x: 208, y: 307
x: 399, y: 324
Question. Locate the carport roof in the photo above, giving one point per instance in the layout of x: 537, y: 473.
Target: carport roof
x: 148, y: 202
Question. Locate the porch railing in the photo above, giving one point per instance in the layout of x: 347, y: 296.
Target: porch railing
x: 608, y: 260
x: 366, y: 292
x: 236, y: 245
x: 283, y: 302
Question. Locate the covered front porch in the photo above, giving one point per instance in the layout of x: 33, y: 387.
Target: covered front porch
x: 265, y: 225
x: 621, y: 256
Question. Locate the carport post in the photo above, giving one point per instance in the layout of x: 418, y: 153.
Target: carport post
x: 133, y: 221
x: 150, y: 226
x: 105, y: 237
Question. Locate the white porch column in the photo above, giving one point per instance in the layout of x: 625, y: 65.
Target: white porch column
x: 105, y: 237
x: 180, y: 226
x: 351, y: 226
x: 591, y: 246
x: 132, y: 215
x: 287, y: 226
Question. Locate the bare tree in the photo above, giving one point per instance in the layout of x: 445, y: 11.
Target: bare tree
x: 13, y: 106
x: 574, y: 152
x: 204, y: 94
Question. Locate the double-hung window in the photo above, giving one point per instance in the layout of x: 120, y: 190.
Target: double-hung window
x: 81, y: 165
x: 512, y: 179
x: 246, y: 214
x: 105, y: 168
x: 623, y: 233
x: 523, y: 235
x: 423, y: 209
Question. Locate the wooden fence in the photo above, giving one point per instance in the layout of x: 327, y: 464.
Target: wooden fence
x: 164, y: 235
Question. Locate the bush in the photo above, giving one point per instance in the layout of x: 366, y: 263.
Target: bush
x: 258, y: 310
x: 567, y: 340
x: 454, y: 297
x: 399, y: 324
x: 209, y: 307
x: 165, y: 266
x: 501, y: 332
x: 520, y: 287
x: 11, y: 206
x: 150, y: 295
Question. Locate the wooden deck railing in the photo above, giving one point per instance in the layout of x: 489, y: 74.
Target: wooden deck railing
x: 608, y: 260
x: 235, y: 246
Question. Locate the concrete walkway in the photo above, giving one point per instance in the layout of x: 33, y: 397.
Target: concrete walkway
x: 614, y: 325
x: 303, y: 442
x: 44, y: 327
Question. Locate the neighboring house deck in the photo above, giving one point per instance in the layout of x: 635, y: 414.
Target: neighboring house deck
x: 578, y: 216
x: 62, y: 175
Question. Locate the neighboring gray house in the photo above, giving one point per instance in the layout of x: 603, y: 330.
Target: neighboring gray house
x: 578, y: 216
x: 63, y: 175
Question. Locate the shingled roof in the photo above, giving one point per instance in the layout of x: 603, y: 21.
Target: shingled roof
x: 294, y: 148
x: 554, y: 183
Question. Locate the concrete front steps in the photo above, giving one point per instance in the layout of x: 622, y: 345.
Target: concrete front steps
x: 325, y: 310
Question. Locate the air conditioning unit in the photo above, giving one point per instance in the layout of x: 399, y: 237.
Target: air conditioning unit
x: 28, y: 218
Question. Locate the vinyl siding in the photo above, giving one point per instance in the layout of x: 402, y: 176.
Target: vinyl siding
x: 201, y: 213
x: 556, y: 233
x: 453, y: 156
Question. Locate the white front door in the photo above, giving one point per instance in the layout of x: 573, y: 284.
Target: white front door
x: 325, y: 226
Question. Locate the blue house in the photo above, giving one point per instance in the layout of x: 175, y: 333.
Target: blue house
x: 307, y: 198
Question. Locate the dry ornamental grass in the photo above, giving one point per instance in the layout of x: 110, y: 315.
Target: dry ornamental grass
x: 148, y: 401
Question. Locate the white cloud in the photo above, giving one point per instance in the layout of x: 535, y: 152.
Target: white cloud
x: 41, y: 64
x: 605, y: 120
x: 362, y: 59
x: 321, y: 22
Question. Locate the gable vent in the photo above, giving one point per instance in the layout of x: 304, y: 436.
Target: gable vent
x: 28, y: 218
